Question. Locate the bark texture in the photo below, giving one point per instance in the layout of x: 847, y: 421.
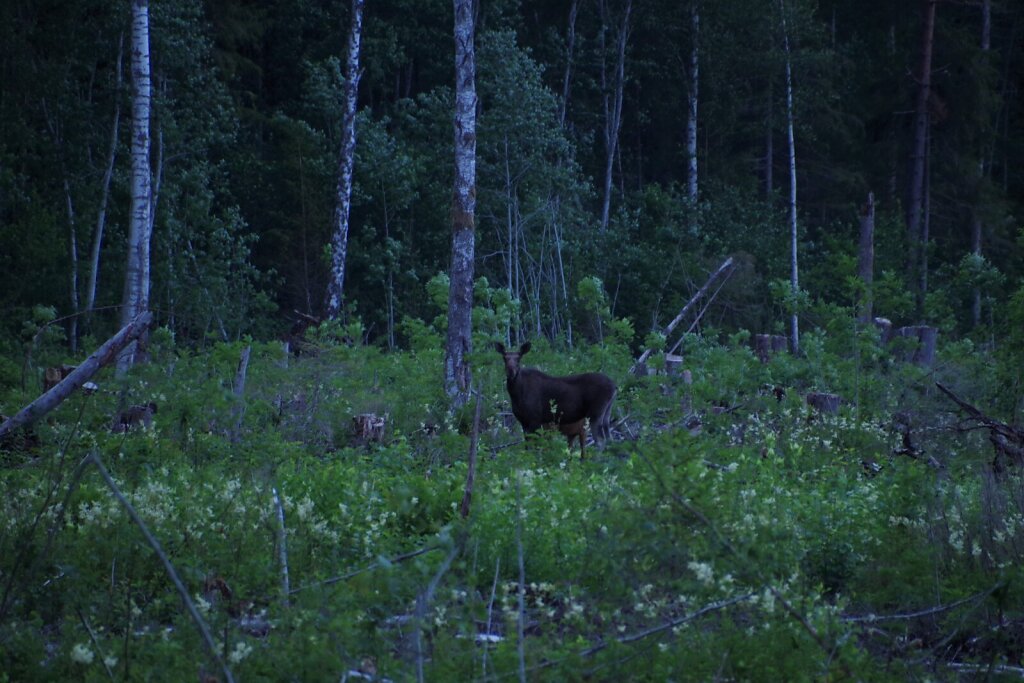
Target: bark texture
x: 136, y: 282
x: 457, y: 375
x: 343, y: 205
x: 915, y: 201
x: 866, y: 256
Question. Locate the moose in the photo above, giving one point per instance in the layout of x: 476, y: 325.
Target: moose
x: 136, y: 416
x: 540, y: 400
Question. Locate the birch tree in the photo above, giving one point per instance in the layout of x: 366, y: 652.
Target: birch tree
x: 457, y: 375
x: 691, y: 110
x: 343, y: 205
x: 136, y: 282
x: 794, y: 275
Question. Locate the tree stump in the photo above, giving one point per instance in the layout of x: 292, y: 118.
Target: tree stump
x: 884, y: 327
x: 368, y: 428
x: 767, y: 345
x: 824, y: 403
x: 673, y: 365
x: 922, y: 350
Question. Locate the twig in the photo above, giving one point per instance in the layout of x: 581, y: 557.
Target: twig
x: 490, y: 611
x: 872, y: 618
x: 467, y: 495
x: 423, y: 601
x: 357, y: 572
x: 168, y: 567
x: 95, y: 643
x: 243, y: 368
x: 987, y: 668
x: 282, y: 532
x: 633, y: 637
x: 521, y: 617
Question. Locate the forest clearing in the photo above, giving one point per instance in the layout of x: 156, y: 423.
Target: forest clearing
x: 486, y: 340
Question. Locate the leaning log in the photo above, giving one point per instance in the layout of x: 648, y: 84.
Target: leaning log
x: 724, y: 268
x: 103, y: 356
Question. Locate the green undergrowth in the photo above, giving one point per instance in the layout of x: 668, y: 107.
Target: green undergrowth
x: 729, y: 531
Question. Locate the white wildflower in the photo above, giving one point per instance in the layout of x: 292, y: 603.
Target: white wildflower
x: 81, y: 654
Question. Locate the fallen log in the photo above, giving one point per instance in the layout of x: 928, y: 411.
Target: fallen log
x: 1007, y: 440
x: 103, y: 356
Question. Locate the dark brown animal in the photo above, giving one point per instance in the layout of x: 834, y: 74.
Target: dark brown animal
x: 540, y: 400
x: 54, y: 376
x: 135, y: 416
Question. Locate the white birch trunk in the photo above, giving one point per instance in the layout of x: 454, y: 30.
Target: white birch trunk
x: 136, y: 283
x: 457, y: 376
x: 977, y: 228
x: 691, y: 119
x: 794, y: 274
x: 343, y: 205
x: 73, y: 260
x: 570, y: 48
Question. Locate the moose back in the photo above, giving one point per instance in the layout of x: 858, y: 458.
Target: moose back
x: 541, y: 400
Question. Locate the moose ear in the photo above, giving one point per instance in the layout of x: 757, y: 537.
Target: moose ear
x: 524, y: 349
x: 499, y: 347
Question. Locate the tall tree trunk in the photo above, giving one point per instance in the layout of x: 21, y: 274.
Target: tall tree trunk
x: 794, y: 277
x: 691, y: 99
x: 977, y: 228
x: 769, y: 144
x: 136, y: 282
x: 915, y: 201
x: 457, y: 374
x: 342, y: 207
x: 612, y: 100
x: 570, y: 49
x: 866, y: 257
x: 108, y: 174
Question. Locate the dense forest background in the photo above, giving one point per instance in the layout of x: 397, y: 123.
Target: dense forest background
x: 246, y: 138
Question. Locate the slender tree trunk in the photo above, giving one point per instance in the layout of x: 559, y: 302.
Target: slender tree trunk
x: 866, y: 257
x: 136, y: 282
x: 926, y: 223
x: 570, y: 49
x: 794, y: 278
x: 73, y: 262
x: 691, y: 119
x: 457, y: 373
x: 612, y: 99
x: 108, y: 174
x: 342, y: 208
x: 977, y: 227
x: 769, y: 144
x: 915, y: 202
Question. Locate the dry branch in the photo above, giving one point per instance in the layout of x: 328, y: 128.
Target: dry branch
x: 104, y: 355
x: 1006, y: 439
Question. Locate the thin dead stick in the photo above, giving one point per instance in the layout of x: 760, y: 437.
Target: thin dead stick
x: 95, y: 643
x: 102, y: 356
x: 726, y: 265
x: 168, y: 567
x: 872, y: 618
x: 490, y: 611
x: 1017, y: 671
x: 655, y: 630
x: 243, y: 368
x: 282, y: 553
x: 357, y: 572
x: 467, y: 495
x: 423, y: 601
x: 521, y: 616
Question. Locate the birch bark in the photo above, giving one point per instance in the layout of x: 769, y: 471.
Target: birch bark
x: 794, y: 274
x: 457, y: 375
x: 343, y: 205
x: 136, y: 282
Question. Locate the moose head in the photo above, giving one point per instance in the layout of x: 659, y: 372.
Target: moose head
x: 541, y: 400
